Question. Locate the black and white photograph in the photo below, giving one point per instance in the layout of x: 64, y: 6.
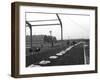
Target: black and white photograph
x: 54, y: 39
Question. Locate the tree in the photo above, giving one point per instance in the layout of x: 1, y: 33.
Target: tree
x: 50, y: 39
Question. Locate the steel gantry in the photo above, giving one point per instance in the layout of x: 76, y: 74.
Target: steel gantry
x: 30, y: 26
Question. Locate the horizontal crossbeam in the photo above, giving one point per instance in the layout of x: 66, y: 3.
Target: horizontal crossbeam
x: 43, y: 20
x: 43, y: 25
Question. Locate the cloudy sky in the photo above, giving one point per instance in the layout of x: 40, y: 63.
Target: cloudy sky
x: 74, y: 26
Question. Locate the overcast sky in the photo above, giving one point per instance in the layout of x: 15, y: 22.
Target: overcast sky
x: 74, y: 26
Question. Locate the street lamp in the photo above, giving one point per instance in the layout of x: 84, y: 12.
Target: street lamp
x: 51, y: 37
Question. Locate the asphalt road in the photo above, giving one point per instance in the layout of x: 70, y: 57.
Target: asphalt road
x: 72, y: 56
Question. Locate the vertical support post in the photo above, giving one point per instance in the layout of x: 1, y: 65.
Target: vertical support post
x: 61, y: 32
x: 31, y: 37
x: 61, y: 26
x: 30, y: 33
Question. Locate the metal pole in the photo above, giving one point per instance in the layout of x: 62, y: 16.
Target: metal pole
x: 31, y: 37
x: 30, y: 34
x: 61, y: 26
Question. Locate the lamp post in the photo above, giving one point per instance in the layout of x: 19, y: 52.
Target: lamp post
x: 51, y: 37
x: 50, y: 33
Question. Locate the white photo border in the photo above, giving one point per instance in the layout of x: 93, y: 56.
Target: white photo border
x: 41, y: 70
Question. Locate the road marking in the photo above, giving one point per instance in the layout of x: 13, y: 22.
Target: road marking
x: 85, y: 45
x: 34, y: 66
x: 85, y: 59
x: 53, y: 57
x: 60, y: 53
x: 67, y: 49
x: 44, y: 62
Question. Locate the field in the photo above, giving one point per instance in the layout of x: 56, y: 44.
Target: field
x: 61, y: 53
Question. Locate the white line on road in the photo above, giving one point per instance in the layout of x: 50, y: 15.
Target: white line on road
x: 67, y: 49
x: 34, y: 66
x: 53, y: 57
x: 59, y: 54
x: 85, y: 59
x: 44, y: 62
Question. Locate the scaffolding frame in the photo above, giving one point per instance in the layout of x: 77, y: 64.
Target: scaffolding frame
x: 30, y: 26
